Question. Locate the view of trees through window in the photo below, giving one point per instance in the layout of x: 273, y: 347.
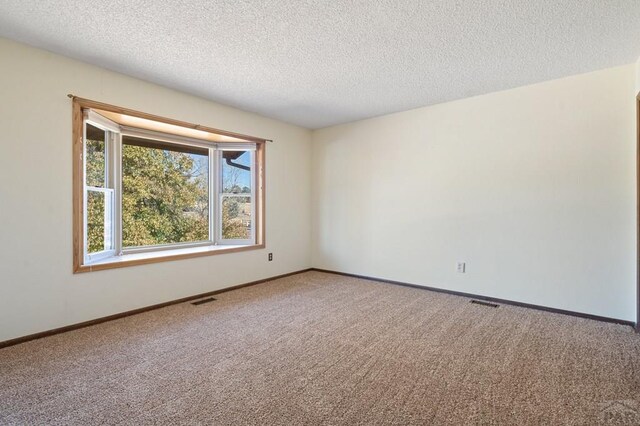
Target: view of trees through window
x: 165, y: 196
x: 236, y: 195
x: 96, y: 180
x: 165, y: 193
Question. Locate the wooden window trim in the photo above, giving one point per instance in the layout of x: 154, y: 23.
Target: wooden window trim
x: 78, y: 105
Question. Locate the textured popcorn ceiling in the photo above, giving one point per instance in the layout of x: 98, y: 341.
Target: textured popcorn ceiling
x: 318, y: 63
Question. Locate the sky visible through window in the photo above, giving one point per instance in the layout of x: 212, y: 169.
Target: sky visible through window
x: 243, y: 179
x: 235, y: 176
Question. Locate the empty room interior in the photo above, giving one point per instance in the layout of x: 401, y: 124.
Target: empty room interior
x: 255, y: 212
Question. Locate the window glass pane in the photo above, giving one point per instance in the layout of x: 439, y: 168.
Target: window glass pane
x: 236, y: 217
x: 165, y: 196
x: 99, y: 211
x: 96, y: 159
x: 236, y: 172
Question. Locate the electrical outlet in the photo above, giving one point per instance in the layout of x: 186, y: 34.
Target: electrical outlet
x: 461, y: 267
x: 270, y: 257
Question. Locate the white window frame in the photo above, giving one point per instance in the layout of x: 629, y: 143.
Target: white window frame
x: 221, y: 195
x: 113, y: 179
x: 108, y: 190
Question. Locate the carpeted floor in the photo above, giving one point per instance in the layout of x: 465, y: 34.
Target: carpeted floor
x: 318, y: 348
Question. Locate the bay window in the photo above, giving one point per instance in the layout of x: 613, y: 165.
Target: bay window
x: 149, y: 189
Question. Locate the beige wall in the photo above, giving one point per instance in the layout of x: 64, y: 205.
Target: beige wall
x: 637, y: 76
x: 37, y: 289
x: 534, y: 188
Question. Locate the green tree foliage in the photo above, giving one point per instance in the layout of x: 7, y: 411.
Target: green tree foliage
x: 232, y: 225
x: 163, y: 200
x: 95, y: 151
x: 95, y: 162
x: 95, y: 223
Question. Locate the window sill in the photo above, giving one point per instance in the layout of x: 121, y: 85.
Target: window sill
x: 162, y: 256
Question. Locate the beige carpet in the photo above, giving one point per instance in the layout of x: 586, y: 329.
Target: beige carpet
x: 318, y: 348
